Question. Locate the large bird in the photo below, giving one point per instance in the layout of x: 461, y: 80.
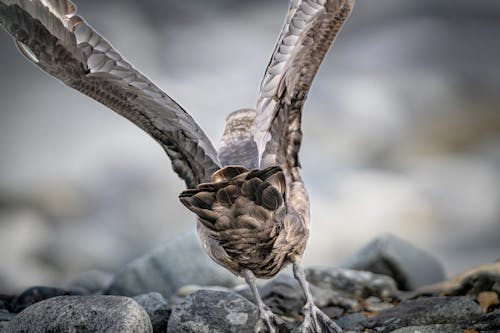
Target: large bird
x: 251, y: 202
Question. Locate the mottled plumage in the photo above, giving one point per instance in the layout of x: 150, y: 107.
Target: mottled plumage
x: 251, y: 203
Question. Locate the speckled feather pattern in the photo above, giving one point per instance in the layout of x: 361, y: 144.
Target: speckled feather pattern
x: 243, y: 220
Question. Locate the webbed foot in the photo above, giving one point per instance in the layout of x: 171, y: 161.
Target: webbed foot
x: 315, y: 321
x: 269, y: 322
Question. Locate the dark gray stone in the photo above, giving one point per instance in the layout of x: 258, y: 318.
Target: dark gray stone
x: 172, y: 265
x: 37, y: 294
x: 353, y: 322
x: 489, y: 322
x: 93, y: 281
x: 82, y: 314
x: 207, y: 311
x: 157, y: 309
x: 410, y: 266
x: 445, y: 328
x: 427, y: 311
x: 351, y: 283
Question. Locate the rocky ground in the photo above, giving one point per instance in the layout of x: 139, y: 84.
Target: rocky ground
x: 388, y: 286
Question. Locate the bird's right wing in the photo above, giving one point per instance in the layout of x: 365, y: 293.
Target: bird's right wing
x: 51, y: 35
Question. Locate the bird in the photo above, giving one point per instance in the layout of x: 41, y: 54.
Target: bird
x: 251, y: 203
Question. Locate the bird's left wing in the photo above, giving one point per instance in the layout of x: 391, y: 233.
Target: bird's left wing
x: 308, y: 32
x: 51, y: 35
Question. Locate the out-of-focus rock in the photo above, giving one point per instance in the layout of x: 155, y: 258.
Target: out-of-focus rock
x: 5, y: 317
x: 487, y: 323
x: 408, y: 265
x: 82, y: 314
x: 172, y: 265
x: 427, y: 311
x: 157, y: 309
x: 438, y: 328
x: 352, y: 283
x: 472, y: 282
x: 37, y: 294
x: 93, y: 281
x: 213, y: 311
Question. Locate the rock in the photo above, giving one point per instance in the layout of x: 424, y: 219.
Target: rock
x: 351, y: 283
x: 82, y: 314
x: 353, y: 322
x: 157, y: 309
x: 446, y: 328
x: 408, y: 265
x: 5, y: 317
x: 93, y: 281
x: 285, y: 297
x: 213, y: 311
x: 170, y: 266
x: 488, y: 323
x: 426, y: 311
x: 36, y: 294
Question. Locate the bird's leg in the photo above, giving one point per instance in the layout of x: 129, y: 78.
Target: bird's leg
x: 315, y: 321
x: 268, y: 321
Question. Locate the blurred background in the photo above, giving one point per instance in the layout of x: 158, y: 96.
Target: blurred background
x: 401, y: 134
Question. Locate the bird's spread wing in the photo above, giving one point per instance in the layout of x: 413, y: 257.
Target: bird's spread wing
x: 50, y: 34
x: 308, y: 32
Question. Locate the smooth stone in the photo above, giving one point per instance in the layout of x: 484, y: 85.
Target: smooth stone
x: 410, y: 266
x: 208, y: 311
x: 157, y: 308
x: 352, y: 283
x: 426, y: 311
x: 172, y: 265
x: 82, y: 314
x: 94, y: 281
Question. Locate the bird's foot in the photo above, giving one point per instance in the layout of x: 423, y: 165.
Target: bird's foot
x: 315, y: 321
x: 269, y: 322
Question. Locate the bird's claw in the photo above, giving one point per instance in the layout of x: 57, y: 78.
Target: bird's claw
x: 315, y: 321
x: 269, y: 323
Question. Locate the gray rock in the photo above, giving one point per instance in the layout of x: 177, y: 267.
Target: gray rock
x: 172, y: 265
x: 5, y: 317
x: 351, y: 283
x: 37, y: 294
x: 427, y: 311
x: 445, y: 328
x: 353, y: 322
x: 82, y: 314
x: 489, y: 322
x: 285, y: 297
x: 212, y: 312
x: 410, y: 266
x: 157, y: 309
x: 93, y: 281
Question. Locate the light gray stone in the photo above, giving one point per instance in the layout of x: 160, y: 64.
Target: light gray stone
x: 82, y: 314
x: 410, y: 266
x: 172, y: 265
x: 157, y: 308
x: 93, y: 281
x: 208, y: 311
